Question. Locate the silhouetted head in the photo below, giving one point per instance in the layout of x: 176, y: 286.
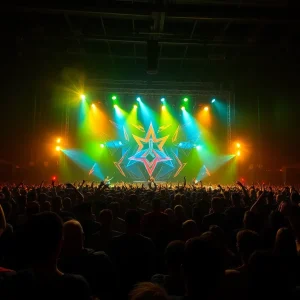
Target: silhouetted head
x: 73, y: 237
x: 236, y: 199
x: 217, y: 205
x: 105, y: 218
x: 56, y: 204
x: 248, y: 242
x: 32, y: 209
x: 285, y: 244
x: 148, y: 291
x: 179, y: 212
x: 46, y: 206
x: 264, y: 274
x: 115, y: 208
x: 171, y: 214
x: 203, y: 265
x: 219, y: 234
x: 134, y: 201
x: 44, y: 233
x: 189, y: 230
x: 174, y: 255
x: 67, y: 204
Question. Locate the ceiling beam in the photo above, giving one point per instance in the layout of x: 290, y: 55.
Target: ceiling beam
x: 248, y: 3
x: 142, y: 41
x: 238, y: 20
x: 124, y: 14
x: 178, y: 42
x: 169, y: 16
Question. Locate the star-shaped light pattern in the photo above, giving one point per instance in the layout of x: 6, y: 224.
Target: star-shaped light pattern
x: 181, y: 165
x: 118, y: 164
x: 146, y: 149
x: 150, y: 135
x: 175, y: 135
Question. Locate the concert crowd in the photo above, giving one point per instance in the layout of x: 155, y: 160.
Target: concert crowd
x: 187, y: 241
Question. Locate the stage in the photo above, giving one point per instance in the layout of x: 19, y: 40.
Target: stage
x: 132, y: 138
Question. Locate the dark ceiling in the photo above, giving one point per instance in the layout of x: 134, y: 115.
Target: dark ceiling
x: 253, y: 44
x: 192, y: 36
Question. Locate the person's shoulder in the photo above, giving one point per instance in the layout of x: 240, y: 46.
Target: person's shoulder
x: 93, y: 253
x: 118, y: 238
x: 206, y: 217
x: 163, y: 215
x: 141, y: 211
x: 115, y: 233
x: 76, y: 286
x: 73, y: 278
x: 145, y: 239
x: 147, y: 214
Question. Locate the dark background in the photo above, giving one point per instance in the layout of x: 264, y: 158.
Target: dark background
x: 257, y: 57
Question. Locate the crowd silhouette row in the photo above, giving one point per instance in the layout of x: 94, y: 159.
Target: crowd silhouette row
x: 86, y: 241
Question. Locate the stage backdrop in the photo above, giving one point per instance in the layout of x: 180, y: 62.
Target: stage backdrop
x: 134, y: 142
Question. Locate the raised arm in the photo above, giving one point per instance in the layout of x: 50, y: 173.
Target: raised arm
x: 78, y: 193
x: 259, y: 203
x: 245, y: 191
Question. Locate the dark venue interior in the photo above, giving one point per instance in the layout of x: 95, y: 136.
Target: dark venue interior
x: 150, y: 150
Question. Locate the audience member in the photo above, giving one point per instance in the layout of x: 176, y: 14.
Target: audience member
x: 247, y: 243
x: 44, y: 279
x: 95, y: 267
x: 148, y: 291
x: 101, y: 239
x: 203, y: 267
x: 216, y: 217
x: 249, y: 247
x: 173, y: 280
x: 118, y: 224
x: 133, y: 253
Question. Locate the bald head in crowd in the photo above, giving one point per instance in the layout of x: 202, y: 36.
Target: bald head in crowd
x: 73, y: 237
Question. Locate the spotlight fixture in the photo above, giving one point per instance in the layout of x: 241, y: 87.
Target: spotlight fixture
x: 57, y: 148
x: 135, y: 106
x: 163, y: 107
x: 238, y: 153
x: 185, y: 99
x: 82, y: 97
x: 93, y: 105
x: 114, y: 97
x: 182, y: 108
x: 115, y: 106
x: 198, y: 147
x: 162, y: 99
x: 102, y: 145
x: 213, y: 100
x: 58, y: 140
x: 206, y: 108
x: 138, y: 99
x: 238, y: 145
